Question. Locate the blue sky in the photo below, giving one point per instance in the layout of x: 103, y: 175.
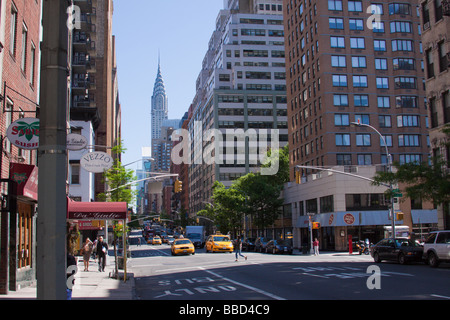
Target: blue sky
x: 180, y: 30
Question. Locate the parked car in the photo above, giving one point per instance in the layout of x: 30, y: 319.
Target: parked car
x: 279, y: 246
x: 260, y: 244
x: 248, y: 244
x: 436, y: 248
x: 398, y: 249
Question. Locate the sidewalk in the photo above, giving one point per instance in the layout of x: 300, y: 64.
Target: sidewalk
x: 89, y: 285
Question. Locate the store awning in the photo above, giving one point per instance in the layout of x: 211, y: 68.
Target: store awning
x: 96, y: 210
x: 26, y: 177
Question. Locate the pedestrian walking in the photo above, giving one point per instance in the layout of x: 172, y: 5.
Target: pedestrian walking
x: 87, y: 251
x: 102, y: 251
x: 237, y: 249
x: 316, y: 247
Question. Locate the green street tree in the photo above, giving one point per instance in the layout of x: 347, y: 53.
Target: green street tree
x: 116, y: 177
x: 422, y: 180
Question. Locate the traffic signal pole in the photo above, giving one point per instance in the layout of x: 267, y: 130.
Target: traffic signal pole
x: 52, y: 154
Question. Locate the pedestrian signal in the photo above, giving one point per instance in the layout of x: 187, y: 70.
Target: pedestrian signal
x: 316, y: 225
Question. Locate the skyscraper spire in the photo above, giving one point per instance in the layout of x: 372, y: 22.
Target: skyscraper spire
x: 159, y: 110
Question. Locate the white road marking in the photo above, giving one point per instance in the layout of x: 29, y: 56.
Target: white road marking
x: 268, y: 294
x: 439, y: 296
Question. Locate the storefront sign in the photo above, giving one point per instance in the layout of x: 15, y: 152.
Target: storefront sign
x: 76, y: 141
x: 24, y: 133
x: 349, y: 219
x: 96, y: 161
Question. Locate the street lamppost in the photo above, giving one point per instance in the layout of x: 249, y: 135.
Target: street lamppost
x: 389, y: 167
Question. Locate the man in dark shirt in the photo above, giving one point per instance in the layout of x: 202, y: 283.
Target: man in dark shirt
x: 102, y: 251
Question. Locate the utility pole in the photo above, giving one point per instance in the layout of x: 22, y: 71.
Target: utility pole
x: 52, y: 155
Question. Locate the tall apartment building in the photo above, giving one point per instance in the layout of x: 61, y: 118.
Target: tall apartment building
x: 94, y: 85
x: 436, y: 45
x: 20, y: 26
x: 352, y: 61
x: 241, y: 86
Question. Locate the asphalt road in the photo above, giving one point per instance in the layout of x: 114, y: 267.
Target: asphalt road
x: 329, y: 276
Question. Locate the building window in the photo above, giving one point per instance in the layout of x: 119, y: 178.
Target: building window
x: 339, y: 80
x: 356, y: 24
x: 385, y: 121
x: 381, y: 64
x: 383, y: 102
x: 335, y: 5
x: 336, y: 23
x: 74, y: 172
x: 410, y: 158
x: 408, y: 140
x: 355, y: 6
x: 342, y: 139
x: 365, y: 202
x: 337, y: 42
x: 364, y: 159
x: 23, y: 63
x: 400, y: 26
x: 399, y: 8
x: 13, y: 33
x: 344, y: 159
x: 32, y: 64
x: 403, y: 64
x: 360, y: 81
x: 341, y: 119
x: 443, y: 62
x: 361, y: 100
x: 402, y: 45
x: 362, y: 118
x: 430, y: 64
x: 406, y: 102
x: 379, y: 45
x: 357, y: 43
x: 338, y: 61
x: 359, y: 62
x: 326, y: 204
x: 425, y: 15
x: 438, y: 9
x: 363, y: 140
x: 405, y: 82
x: 340, y: 100
x: 407, y: 121
x: 382, y: 82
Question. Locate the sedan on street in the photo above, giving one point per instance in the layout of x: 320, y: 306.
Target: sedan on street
x: 279, y: 246
x: 399, y: 249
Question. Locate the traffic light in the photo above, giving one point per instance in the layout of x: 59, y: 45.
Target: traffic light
x: 178, y: 186
x: 399, y: 216
x: 316, y: 225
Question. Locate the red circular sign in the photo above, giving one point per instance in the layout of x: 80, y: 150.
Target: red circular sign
x: 349, y: 218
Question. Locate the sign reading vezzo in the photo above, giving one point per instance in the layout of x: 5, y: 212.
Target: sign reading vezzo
x: 96, y: 161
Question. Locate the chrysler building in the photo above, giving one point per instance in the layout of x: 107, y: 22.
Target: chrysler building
x: 159, y: 105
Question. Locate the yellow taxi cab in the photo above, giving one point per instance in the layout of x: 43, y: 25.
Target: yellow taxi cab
x: 219, y: 243
x: 156, y: 240
x: 182, y: 246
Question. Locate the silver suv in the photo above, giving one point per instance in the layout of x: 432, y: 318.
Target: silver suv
x: 437, y: 248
